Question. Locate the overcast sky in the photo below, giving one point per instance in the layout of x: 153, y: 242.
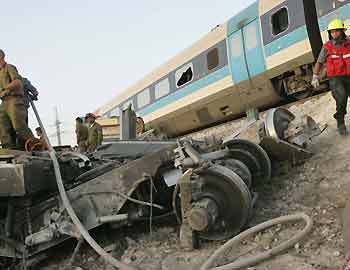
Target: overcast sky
x: 81, y: 53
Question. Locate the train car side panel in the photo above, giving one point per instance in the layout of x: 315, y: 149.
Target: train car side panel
x: 180, y: 98
x: 285, y: 36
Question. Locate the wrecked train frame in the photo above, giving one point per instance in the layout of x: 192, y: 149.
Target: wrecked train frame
x: 127, y: 181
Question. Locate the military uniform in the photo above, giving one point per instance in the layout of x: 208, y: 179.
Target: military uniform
x: 95, y: 137
x: 13, y: 111
x: 82, y: 133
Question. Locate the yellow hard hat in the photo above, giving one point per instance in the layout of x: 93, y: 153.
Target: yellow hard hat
x: 336, y: 24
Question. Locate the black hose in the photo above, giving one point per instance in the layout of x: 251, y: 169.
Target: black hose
x: 254, y: 260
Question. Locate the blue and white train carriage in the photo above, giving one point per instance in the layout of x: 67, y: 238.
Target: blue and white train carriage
x: 260, y: 56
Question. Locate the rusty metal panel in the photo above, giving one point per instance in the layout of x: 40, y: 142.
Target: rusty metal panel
x: 283, y: 151
x: 101, y: 196
x: 131, y: 148
x: 12, y: 180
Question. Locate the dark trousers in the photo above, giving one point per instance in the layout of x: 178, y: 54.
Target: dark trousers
x: 340, y: 87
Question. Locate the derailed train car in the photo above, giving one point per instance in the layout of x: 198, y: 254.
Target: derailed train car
x: 260, y: 56
x: 129, y: 181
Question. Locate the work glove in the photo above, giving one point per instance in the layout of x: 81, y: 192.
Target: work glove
x: 315, y: 81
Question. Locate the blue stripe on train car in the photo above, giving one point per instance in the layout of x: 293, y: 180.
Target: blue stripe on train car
x: 300, y: 34
x: 187, y: 90
x: 286, y: 41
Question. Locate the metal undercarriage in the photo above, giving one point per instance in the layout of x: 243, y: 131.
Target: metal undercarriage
x: 208, y: 184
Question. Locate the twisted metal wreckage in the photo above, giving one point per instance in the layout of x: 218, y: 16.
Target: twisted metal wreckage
x: 208, y: 184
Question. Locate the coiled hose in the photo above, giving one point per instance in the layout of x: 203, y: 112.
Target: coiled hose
x: 255, y: 259
x: 248, y: 262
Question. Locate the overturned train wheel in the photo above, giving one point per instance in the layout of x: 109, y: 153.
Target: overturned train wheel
x: 239, y: 168
x: 253, y: 156
x: 221, y: 203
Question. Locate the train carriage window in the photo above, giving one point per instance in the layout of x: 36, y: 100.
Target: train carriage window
x: 162, y: 88
x: 280, y: 21
x: 236, y: 46
x: 251, y: 37
x: 184, y: 75
x: 143, y: 98
x: 213, y: 59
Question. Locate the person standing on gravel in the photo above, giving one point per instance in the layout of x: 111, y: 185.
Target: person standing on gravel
x: 335, y: 55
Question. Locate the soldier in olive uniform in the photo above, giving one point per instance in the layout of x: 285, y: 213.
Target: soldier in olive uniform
x: 82, y: 133
x: 13, y: 109
x: 95, y: 133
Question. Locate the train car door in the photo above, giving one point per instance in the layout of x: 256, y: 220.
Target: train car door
x: 247, y: 56
x: 237, y: 57
x: 253, y: 49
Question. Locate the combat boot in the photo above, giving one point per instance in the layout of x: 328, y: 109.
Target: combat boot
x: 342, y: 128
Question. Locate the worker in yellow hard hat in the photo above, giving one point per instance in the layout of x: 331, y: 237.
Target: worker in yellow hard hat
x: 335, y: 56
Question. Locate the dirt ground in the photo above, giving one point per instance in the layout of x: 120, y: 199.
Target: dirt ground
x: 319, y: 188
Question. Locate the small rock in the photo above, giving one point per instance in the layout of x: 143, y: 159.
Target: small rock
x: 336, y: 253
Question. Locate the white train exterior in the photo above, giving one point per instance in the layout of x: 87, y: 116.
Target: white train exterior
x: 258, y: 57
